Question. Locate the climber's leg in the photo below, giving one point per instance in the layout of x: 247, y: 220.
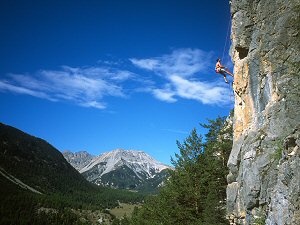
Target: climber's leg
x: 225, y: 78
x: 229, y: 73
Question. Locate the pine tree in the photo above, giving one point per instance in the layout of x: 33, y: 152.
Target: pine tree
x: 217, y: 149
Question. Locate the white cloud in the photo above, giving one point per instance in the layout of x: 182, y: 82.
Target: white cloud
x: 207, y: 93
x: 185, y: 62
x: 178, y: 70
x: 94, y: 104
x: 110, y: 73
x: 83, y: 86
x: 122, y: 75
x: 164, y: 95
x: 149, y: 64
x: 4, y: 86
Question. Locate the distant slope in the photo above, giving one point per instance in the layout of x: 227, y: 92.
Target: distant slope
x: 78, y: 159
x: 124, y: 169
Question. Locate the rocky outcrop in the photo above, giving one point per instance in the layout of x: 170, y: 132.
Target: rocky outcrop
x: 78, y: 159
x: 264, y: 179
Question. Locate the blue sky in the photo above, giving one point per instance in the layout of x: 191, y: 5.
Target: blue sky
x: 100, y: 75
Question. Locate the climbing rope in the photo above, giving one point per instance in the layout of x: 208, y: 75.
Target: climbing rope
x: 227, y: 34
x: 231, y: 97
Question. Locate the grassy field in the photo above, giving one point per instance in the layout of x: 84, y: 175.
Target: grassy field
x: 123, y: 209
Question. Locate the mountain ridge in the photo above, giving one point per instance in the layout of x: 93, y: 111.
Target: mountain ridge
x: 78, y: 159
x: 125, y: 169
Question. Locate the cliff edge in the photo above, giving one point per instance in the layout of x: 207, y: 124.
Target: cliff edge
x: 264, y: 179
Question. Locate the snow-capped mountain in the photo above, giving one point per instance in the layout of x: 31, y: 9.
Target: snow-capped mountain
x: 127, y: 169
x: 138, y: 161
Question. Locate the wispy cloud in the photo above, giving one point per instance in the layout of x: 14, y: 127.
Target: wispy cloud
x: 85, y: 86
x: 6, y: 86
x: 178, y: 70
x: 205, y: 92
x: 165, y: 94
x: 185, y: 62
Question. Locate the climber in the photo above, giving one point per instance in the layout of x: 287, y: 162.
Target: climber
x: 222, y: 70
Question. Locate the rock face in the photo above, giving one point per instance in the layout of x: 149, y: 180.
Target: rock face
x: 264, y: 179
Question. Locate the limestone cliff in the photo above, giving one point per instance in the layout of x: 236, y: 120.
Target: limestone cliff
x: 264, y: 179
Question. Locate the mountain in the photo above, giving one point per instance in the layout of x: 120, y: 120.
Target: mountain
x: 124, y: 169
x: 78, y: 159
